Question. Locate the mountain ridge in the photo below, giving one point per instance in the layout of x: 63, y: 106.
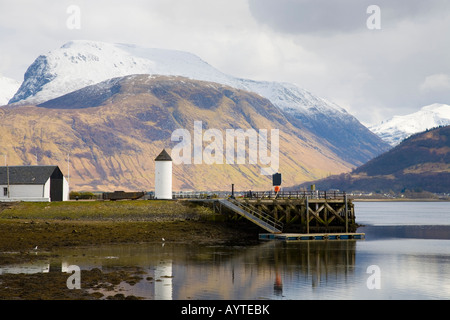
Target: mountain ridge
x: 111, y: 144
x: 420, y: 162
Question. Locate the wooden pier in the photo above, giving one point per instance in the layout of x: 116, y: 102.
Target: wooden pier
x: 294, y: 237
x: 293, y: 213
x: 312, y: 213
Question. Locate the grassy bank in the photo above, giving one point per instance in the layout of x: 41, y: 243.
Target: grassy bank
x: 104, y: 210
x: 25, y: 225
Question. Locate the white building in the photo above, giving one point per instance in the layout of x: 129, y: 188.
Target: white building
x: 33, y: 183
x: 163, y: 176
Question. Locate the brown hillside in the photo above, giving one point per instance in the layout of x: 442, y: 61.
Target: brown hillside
x: 112, y: 138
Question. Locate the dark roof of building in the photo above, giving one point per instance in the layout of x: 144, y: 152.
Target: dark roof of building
x: 163, y: 156
x: 28, y: 174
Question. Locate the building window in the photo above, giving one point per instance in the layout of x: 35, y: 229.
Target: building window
x: 5, y: 191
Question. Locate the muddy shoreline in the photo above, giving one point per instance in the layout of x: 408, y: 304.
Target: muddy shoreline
x: 52, y: 226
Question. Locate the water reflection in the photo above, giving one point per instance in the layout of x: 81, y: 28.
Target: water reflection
x: 177, y: 271
x: 406, y: 232
x: 27, y: 268
x: 163, y: 275
x: 409, y: 242
x: 410, y: 269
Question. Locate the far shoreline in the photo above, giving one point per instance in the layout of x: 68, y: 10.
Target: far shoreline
x: 399, y: 200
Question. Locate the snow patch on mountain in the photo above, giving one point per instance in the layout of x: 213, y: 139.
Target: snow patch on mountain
x: 398, y: 128
x: 8, y: 87
x: 78, y: 64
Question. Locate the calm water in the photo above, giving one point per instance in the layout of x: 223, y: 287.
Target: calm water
x: 406, y: 255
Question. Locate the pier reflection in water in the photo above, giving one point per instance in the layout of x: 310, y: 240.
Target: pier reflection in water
x: 179, y: 271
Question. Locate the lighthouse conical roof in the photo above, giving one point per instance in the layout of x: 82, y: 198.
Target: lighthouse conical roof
x: 163, y: 156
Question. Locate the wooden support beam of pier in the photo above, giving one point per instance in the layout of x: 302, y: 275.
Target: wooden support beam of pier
x: 298, y: 214
x: 316, y: 215
x: 334, y: 212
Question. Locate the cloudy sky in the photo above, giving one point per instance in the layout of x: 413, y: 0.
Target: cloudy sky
x: 374, y: 63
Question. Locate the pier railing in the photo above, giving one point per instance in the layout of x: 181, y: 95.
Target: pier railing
x: 294, y: 195
x: 264, y: 195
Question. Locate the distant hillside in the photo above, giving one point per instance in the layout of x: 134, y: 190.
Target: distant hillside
x: 420, y: 163
x: 112, y: 131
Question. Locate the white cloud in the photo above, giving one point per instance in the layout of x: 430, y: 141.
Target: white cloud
x: 323, y: 46
x: 376, y: 73
x: 436, y: 82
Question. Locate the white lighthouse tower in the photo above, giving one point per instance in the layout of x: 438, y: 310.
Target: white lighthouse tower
x: 163, y: 176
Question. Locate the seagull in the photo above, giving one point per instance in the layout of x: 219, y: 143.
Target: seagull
x: 163, y: 239
x: 35, y: 248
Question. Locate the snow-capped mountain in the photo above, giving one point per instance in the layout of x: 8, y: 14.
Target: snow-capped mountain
x: 399, y: 128
x: 78, y: 64
x: 8, y: 87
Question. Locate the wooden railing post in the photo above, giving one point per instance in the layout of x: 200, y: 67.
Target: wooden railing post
x: 346, y: 213
x: 307, y: 214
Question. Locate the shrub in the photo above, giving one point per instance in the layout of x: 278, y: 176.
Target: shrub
x: 81, y: 195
